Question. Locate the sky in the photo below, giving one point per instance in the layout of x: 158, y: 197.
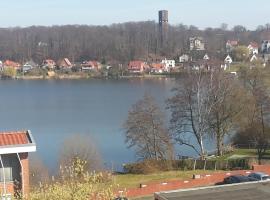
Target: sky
x: 201, y: 13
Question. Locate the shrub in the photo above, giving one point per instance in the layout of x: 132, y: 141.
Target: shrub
x: 76, y: 184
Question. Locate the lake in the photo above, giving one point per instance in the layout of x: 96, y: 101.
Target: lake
x: 56, y: 109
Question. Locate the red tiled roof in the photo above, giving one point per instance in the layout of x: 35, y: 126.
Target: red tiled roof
x: 157, y: 65
x: 10, y: 63
x: 232, y: 42
x: 254, y: 45
x: 13, y: 138
x: 67, y: 61
x: 136, y: 65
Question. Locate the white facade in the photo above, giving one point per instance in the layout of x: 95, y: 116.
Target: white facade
x: 184, y: 58
x: 196, y: 43
x: 228, y: 60
x: 253, y: 50
x: 265, y: 46
x: 1, y: 65
x: 206, y: 57
x: 168, y: 64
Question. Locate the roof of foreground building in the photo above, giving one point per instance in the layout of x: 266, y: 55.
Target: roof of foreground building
x: 244, y: 191
x: 16, y: 142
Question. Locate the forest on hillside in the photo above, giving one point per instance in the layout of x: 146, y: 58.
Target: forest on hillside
x: 117, y: 43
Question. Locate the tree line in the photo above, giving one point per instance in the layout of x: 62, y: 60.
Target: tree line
x: 116, y: 43
x: 204, y: 105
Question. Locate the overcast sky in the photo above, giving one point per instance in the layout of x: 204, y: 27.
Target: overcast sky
x: 201, y: 13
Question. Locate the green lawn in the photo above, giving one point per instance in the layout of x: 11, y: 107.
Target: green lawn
x: 144, y: 198
x: 134, y: 180
x: 242, y: 153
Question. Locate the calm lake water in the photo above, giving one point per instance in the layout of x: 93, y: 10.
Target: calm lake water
x: 55, y: 109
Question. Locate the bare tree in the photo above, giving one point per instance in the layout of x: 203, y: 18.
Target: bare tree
x: 82, y: 147
x: 259, y: 111
x: 190, y: 109
x: 38, y: 172
x: 227, y: 99
x: 145, y: 130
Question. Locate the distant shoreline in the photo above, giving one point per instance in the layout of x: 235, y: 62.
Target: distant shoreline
x: 85, y: 77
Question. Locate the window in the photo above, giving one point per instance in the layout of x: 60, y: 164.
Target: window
x: 8, y: 174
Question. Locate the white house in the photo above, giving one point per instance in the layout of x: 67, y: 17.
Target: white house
x: 206, y: 57
x: 265, y: 46
x: 168, y: 64
x: 196, y: 43
x: 1, y: 65
x: 184, y: 58
x: 228, y: 61
x: 253, y: 48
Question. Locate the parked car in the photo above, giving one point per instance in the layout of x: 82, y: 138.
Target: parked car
x: 260, y: 176
x: 238, y: 179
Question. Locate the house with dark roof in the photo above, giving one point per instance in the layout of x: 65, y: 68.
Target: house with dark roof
x: 14, y: 162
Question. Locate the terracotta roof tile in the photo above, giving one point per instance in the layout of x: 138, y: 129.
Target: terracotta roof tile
x: 13, y: 138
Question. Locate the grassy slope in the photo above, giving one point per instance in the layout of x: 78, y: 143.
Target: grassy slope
x: 133, y: 180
